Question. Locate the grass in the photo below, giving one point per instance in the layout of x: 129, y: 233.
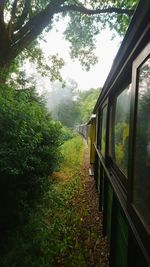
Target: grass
x: 51, y: 238
x: 72, y: 152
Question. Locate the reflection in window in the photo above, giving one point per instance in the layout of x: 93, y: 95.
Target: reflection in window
x: 141, y: 192
x: 103, y: 140
x: 120, y: 129
x: 111, y: 131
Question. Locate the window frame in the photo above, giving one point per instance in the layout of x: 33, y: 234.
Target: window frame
x: 122, y: 179
x: 105, y: 105
x: 139, y: 224
x: 98, y: 129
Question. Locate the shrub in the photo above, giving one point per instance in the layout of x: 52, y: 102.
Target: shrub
x: 67, y: 133
x: 51, y: 237
x: 29, y: 152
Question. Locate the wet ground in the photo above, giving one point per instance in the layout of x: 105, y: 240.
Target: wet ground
x: 96, y: 244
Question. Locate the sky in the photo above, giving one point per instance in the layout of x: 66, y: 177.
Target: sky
x: 106, y: 50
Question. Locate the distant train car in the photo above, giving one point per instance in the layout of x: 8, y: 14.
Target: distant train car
x: 120, y: 147
x: 91, y: 129
x: 83, y: 130
x: 88, y: 131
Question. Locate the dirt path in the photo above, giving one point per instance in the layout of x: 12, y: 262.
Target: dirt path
x: 95, y: 245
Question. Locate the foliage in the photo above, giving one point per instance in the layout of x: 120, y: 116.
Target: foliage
x: 79, y: 33
x: 69, y: 106
x: 67, y: 133
x: 50, y: 67
x: 23, y: 21
x: 87, y: 101
x: 69, y: 114
x: 29, y: 149
x: 73, y: 155
x: 51, y: 236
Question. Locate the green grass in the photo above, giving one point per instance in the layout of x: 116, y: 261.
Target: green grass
x: 51, y: 237
x: 72, y: 152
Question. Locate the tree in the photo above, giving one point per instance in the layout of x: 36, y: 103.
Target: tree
x: 22, y: 21
x: 86, y: 102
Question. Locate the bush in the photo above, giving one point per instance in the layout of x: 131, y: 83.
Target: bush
x: 50, y: 238
x: 29, y: 152
x: 67, y: 133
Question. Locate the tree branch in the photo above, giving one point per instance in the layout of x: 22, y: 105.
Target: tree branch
x: 43, y: 15
x: 41, y: 20
x: 33, y: 27
x: 26, y: 40
x: 22, y: 18
x: 87, y: 11
x: 13, y: 12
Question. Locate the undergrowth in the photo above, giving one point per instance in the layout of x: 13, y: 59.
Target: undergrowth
x: 51, y: 238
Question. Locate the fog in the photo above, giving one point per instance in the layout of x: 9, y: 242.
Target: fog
x: 57, y: 95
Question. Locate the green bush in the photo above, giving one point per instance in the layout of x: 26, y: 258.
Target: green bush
x: 29, y: 152
x: 67, y: 133
x: 51, y: 236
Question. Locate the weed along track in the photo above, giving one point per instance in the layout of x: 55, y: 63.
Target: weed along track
x: 88, y: 246
x: 81, y: 243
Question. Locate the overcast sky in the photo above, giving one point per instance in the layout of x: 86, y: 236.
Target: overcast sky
x: 106, y: 51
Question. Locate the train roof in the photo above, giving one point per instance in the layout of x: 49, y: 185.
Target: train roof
x: 92, y: 118
x: 136, y: 37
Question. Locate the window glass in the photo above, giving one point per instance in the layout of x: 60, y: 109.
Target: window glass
x: 120, y: 113
x: 97, y: 130
x: 141, y: 186
x: 111, y: 131
x: 103, y: 140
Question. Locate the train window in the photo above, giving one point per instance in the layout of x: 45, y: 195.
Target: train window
x: 141, y: 183
x: 119, y: 134
x: 98, y: 130
x: 103, y: 136
x: 111, y: 131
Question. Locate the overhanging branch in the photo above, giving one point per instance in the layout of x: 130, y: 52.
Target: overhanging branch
x: 33, y: 27
x: 41, y: 19
x: 10, y: 24
x: 31, y: 34
x: 87, y: 11
x: 58, y: 8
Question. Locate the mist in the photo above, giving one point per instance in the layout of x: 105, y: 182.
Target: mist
x: 58, y: 95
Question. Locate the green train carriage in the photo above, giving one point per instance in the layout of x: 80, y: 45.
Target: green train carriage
x: 120, y: 146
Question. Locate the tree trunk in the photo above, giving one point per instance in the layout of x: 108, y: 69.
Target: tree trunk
x: 4, y: 57
x: 4, y: 70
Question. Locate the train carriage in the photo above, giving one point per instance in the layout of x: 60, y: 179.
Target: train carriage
x: 122, y: 146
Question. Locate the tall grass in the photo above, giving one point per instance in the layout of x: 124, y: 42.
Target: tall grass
x: 72, y: 152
